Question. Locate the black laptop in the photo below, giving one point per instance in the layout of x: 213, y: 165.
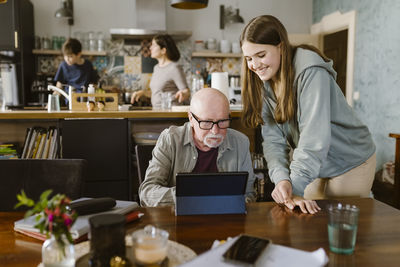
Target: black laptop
x: 210, y: 193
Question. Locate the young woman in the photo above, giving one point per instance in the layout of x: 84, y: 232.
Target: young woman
x: 167, y: 76
x: 292, y: 93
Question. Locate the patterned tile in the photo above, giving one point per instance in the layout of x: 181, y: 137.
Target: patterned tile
x: 100, y: 64
x: 232, y: 65
x: 132, y: 65
x: 214, y: 65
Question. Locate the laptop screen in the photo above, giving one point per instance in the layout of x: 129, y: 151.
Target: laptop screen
x: 211, y: 184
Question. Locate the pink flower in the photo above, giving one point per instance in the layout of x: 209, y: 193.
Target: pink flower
x: 57, y: 211
x: 50, y: 217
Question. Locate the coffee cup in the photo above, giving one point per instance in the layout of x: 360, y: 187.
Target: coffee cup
x: 150, y: 246
x: 236, y: 48
x: 225, y: 46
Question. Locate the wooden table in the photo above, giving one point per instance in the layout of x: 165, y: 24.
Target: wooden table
x: 378, y: 238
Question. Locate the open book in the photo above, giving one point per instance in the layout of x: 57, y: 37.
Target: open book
x: 81, y: 227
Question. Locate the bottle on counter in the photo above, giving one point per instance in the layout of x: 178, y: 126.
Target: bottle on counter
x: 197, y: 82
x: 91, y: 90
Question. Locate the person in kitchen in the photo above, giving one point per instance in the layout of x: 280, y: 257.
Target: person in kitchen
x: 204, y: 144
x: 74, y: 71
x: 168, y: 75
x: 292, y: 93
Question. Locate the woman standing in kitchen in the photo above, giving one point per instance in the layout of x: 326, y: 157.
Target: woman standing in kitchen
x: 167, y: 76
x: 292, y: 93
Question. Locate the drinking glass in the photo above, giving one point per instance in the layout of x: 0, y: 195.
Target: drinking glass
x: 166, y: 100
x: 342, y: 227
x: 53, y: 103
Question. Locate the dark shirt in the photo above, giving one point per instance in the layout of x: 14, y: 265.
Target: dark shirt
x: 76, y: 75
x: 206, y: 161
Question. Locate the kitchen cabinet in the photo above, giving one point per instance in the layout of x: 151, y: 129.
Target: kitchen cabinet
x: 16, y: 36
x: 105, y: 144
x: 16, y: 20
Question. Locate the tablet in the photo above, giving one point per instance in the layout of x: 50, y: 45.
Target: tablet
x: 210, y: 193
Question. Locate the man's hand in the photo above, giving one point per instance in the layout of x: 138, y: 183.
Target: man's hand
x: 306, y: 206
x: 282, y: 194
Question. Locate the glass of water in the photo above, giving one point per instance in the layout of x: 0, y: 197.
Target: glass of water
x: 166, y: 100
x: 342, y: 227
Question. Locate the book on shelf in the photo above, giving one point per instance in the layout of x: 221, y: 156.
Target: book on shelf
x: 47, y: 144
x: 26, y: 142
x: 81, y: 227
x: 41, y: 143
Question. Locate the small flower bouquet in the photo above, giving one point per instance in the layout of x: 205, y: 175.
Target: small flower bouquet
x: 52, y: 215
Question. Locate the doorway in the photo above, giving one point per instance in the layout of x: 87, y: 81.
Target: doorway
x: 339, y: 24
x: 335, y: 48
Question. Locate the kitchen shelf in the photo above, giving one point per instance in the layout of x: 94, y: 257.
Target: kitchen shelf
x: 215, y: 54
x: 58, y: 52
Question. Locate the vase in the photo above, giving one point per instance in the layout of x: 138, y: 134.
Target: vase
x: 58, y: 254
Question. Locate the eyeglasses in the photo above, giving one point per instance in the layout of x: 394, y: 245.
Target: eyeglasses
x: 207, y: 125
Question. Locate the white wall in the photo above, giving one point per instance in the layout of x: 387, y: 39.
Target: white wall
x: 101, y: 15
x: 296, y: 15
x: 96, y: 15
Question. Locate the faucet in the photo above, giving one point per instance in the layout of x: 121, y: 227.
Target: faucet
x: 67, y: 96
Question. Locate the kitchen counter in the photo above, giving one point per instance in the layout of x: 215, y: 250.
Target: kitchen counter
x: 132, y: 114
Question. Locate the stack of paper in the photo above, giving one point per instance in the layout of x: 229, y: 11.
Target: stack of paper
x: 273, y: 256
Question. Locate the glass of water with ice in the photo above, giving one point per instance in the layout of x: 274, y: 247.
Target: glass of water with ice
x: 342, y: 227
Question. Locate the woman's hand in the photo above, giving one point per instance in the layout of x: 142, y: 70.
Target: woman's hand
x: 282, y: 194
x: 136, y: 96
x: 306, y: 206
x: 182, y: 95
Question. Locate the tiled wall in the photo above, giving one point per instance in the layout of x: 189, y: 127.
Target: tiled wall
x: 127, y: 67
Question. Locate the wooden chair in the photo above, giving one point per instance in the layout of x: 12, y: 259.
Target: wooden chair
x: 386, y: 192
x: 66, y: 176
x: 143, y: 156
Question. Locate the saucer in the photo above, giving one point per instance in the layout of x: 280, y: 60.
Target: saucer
x: 177, y: 253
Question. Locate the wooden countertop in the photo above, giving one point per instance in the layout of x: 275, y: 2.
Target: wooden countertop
x: 134, y: 114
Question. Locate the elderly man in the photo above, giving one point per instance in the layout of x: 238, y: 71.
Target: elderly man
x: 204, y: 144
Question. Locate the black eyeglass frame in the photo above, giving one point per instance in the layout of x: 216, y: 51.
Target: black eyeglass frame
x: 213, y: 122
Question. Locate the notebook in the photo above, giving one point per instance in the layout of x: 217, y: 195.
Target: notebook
x: 210, y: 193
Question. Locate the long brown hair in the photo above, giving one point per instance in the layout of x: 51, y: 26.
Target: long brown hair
x: 269, y: 30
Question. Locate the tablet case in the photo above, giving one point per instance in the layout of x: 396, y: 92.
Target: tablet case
x: 211, y: 193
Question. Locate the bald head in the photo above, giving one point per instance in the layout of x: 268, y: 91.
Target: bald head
x: 209, y: 99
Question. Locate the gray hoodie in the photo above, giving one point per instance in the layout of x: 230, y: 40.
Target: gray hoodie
x: 327, y: 138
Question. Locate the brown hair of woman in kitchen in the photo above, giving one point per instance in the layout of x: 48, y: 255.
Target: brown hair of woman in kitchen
x: 166, y: 41
x: 269, y: 30
x: 72, y: 46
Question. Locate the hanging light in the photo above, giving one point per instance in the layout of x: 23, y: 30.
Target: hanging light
x: 228, y: 15
x: 66, y: 11
x: 189, y: 4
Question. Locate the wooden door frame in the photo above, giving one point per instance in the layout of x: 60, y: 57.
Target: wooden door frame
x: 333, y: 23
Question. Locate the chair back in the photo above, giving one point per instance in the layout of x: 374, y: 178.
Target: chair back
x: 143, y: 156
x: 65, y: 176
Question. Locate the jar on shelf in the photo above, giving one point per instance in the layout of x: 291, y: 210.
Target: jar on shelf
x: 92, y: 41
x: 199, y: 45
x: 100, y: 41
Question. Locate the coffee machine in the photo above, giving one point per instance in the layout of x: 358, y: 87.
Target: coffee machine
x: 8, y: 80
